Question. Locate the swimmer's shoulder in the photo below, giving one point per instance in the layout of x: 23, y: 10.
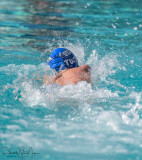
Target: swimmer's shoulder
x: 72, y: 72
x: 82, y: 68
x: 85, y: 68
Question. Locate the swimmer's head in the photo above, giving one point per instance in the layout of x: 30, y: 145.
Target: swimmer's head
x: 62, y: 58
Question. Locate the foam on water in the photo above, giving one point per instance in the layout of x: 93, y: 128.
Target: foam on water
x: 81, y: 113
x: 33, y: 93
x: 101, y: 120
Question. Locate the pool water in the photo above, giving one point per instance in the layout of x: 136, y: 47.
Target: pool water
x: 101, y: 120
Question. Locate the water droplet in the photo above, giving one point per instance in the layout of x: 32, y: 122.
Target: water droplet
x: 132, y: 61
x: 135, y: 28
x: 113, y: 26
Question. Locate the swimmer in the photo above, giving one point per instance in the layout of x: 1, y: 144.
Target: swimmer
x: 68, y: 71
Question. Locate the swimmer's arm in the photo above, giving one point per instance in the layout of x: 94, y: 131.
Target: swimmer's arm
x: 86, y: 68
x: 47, y: 80
x: 52, y: 79
x: 44, y: 79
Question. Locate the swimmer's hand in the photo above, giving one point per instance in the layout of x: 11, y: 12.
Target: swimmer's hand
x: 40, y: 80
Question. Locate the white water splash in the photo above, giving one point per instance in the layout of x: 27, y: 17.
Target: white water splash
x: 32, y: 93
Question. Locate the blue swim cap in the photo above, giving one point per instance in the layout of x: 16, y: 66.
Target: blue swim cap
x: 62, y: 58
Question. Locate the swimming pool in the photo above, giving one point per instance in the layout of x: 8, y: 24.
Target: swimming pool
x: 98, y: 121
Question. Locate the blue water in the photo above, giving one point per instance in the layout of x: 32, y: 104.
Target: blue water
x: 98, y: 121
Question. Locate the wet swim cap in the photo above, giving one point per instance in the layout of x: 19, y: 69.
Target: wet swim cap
x: 62, y: 58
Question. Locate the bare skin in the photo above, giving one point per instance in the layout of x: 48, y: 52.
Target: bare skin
x: 71, y: 76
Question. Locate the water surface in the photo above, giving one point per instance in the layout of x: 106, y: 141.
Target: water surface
x: 102, y: 120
